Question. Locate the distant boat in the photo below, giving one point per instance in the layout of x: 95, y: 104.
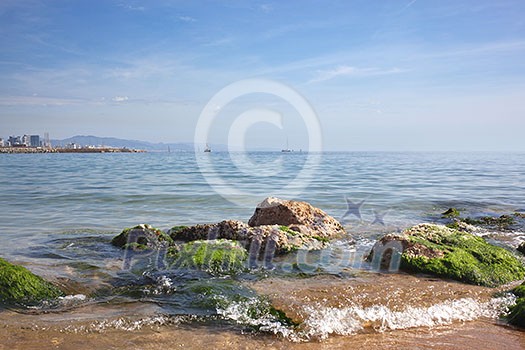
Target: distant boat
x: 207, y: 149
x: 286, y: 150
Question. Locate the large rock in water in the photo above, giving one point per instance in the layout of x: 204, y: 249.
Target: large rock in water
x: 260, y: 240
x: 21, y: 286
x: 449, y: 253
x: 141, y: 237
x: 298, y: 216
x: 279, y: 226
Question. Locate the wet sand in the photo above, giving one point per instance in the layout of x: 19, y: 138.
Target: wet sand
x: 470, y: 335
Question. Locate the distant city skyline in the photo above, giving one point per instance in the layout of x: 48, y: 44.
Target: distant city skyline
x: 384, y: 75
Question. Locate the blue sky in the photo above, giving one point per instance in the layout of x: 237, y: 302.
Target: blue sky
x: 381, y: 75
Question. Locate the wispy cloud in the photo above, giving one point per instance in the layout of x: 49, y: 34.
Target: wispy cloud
x: 120, y: 99
x: 341, y: 71
x: 266, y: 8
x: 412, y: 2
x: 187, y: 19
x: 36, y: 100
x: 132, y: 7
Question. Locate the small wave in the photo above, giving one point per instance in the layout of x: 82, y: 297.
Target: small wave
x: 256, y: 313
x: 323, y: 321
x: 127, y: 324
x: 59, y: 304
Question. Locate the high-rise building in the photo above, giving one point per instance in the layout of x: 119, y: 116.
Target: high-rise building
x: 26, y: 141
x: 2, y: 143
x: 34, y: 140
x: 14, y: 141
x: 46, y: 142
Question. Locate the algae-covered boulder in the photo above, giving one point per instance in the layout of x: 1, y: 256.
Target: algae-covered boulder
x: 140, y: 237
x: 449, y: 253
x: 226, y: 229
x: 215, y: 256
x: 278, y: 239
x: 21, y: 286
x: 517, y: 312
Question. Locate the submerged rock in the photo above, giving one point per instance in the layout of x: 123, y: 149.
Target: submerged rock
x: 298, y: 216
x: 446, y: 252
x: 21, y: 286
x: 141, y: 237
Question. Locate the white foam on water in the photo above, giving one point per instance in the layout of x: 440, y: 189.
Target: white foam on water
x: 127, y: 324
x: 324, y: 321
x: 251, y: 312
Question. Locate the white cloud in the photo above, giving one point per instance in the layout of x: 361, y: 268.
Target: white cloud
x: 132, y: 7
x: 187, y: 19
x: 266, y: 8
x: 352, y: 71
x: 120, y: 99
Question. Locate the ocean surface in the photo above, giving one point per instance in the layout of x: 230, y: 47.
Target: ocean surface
x: 58, y: 213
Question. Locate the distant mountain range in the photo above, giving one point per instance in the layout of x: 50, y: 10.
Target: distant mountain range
x: 134, y: 144
x: 145, y: 145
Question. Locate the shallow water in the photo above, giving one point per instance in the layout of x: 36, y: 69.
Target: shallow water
x: 59, y: 212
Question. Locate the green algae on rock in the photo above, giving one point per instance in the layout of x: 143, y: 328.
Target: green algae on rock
x: 503, y: 222
x: 215, y: 256
x: 21, y: 286
x: 451, y: 213
x: 517, y: 312
x: 142, y: 237
x: 449, y: 253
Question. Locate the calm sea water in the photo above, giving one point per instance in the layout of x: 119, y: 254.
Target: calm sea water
x: 58, y: 213
x: 49, y: 193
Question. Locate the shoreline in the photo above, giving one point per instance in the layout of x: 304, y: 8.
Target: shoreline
x: 24, y: 150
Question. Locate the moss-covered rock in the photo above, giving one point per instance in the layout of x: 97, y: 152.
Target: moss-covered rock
x: 451, y: 213
x: 215, y: 256
x: 446, y: 252
x: 517, y: 312
x: 503, y: 222
x: 21, y: 286
x: 142, y: 237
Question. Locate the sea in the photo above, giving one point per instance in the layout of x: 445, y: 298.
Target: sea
x: 59, y: 212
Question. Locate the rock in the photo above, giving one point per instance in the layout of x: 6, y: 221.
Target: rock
x: 298, y: 216
x: 260, y: 240
x: 463, y: 226
x: 516, y: 315
x: 521, y: 248
x: 451, y: 213
x: 503, y: 222
x: 227, y: 229
x: 141, y: 237
x: 277, y: 227
x: 215, y: 256
x: 449, y: 253
x: 21, y: 286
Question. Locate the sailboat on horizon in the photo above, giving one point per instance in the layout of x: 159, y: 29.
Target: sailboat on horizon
x: 287, y: 149
x: 207, y: 149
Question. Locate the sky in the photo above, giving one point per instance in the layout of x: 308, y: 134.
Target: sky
x: 403, y: 75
